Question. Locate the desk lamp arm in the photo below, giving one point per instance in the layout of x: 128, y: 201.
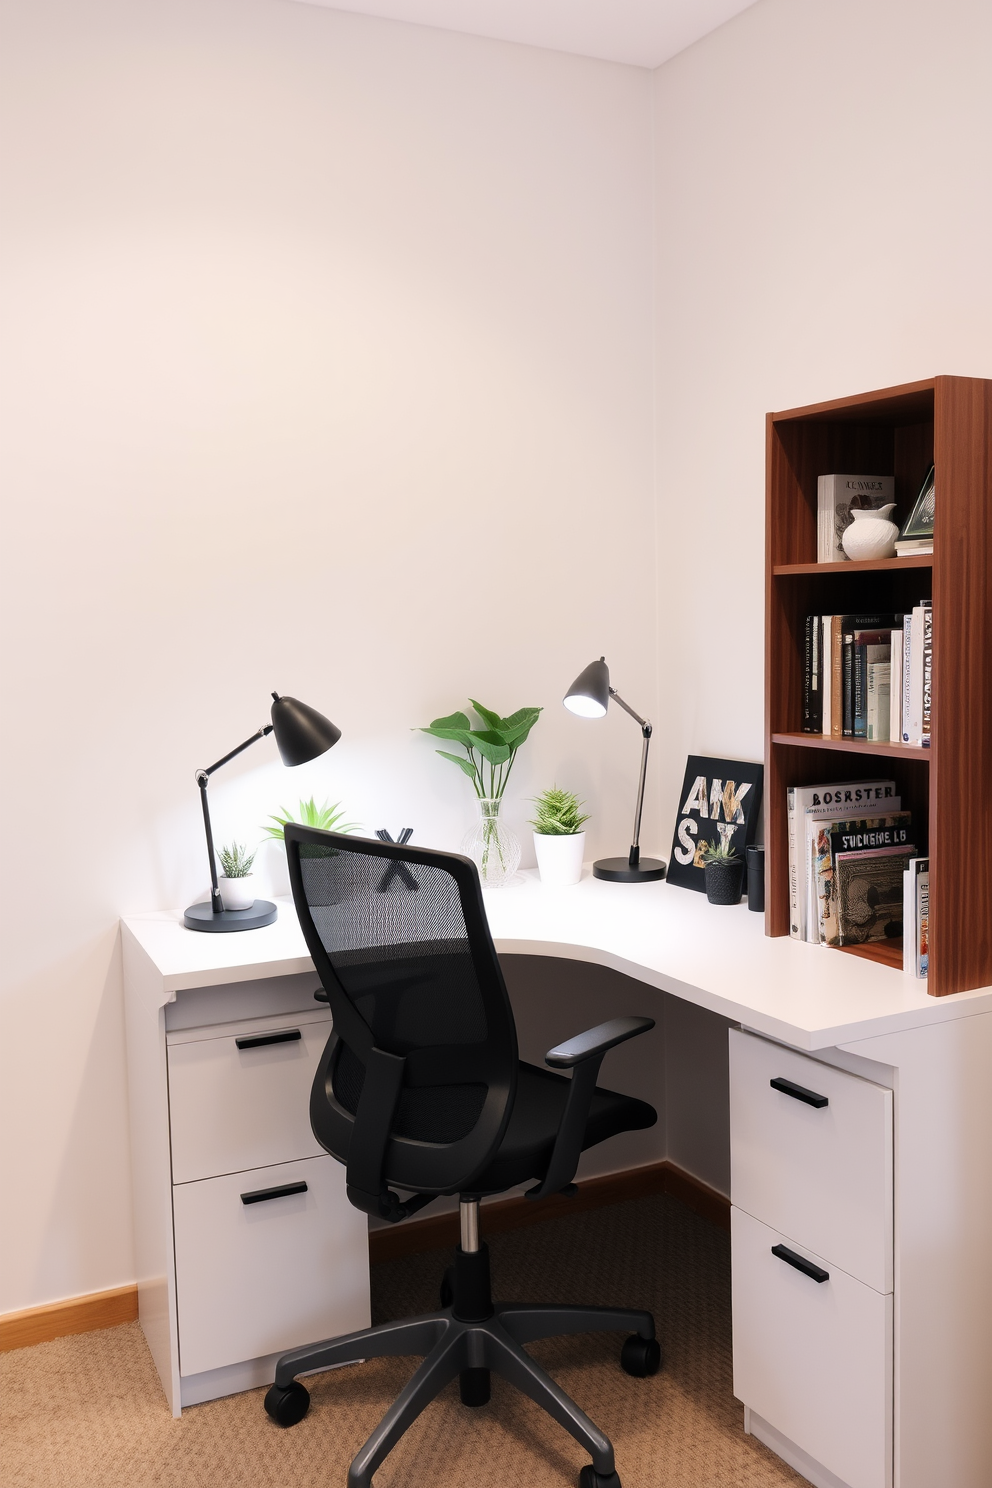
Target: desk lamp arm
x: 635, y: 847
x: 202, y: 780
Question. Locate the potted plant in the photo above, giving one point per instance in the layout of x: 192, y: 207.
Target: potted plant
x: 558, y: 836
x: 236, y: 881
x: 326, y: 817
x: 724, y: 872
x: 489, y: 755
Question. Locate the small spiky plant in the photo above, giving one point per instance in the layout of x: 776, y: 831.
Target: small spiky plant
x: 718, y: 852
x: 235, y: 860
x: 326, y: 817
x: 558, y: 813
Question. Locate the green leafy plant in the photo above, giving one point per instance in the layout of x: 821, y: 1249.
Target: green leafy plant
x: 489, y: 751
x: 235, y: 860
x: 718, y: 852
x: 326, y: 817
x: 558, y: 813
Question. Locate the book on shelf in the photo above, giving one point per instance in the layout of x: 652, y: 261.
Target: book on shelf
x: 812, y: 673
x: 917, y: 675
x: 836, y: 495
x: 895, y: 686
x: 877, y: 700
x: 817, y: 851
x: 906, y: 547
x: 833, y: 835
x: 869, y: 887
x: 845, y: 799
x: 916, y: 917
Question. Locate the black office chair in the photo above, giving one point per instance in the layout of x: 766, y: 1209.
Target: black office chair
x: 420, y: 1090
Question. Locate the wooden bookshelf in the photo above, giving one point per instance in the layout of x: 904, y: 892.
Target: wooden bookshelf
x: 948, y: 787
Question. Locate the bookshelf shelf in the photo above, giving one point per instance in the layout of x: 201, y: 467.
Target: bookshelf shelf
x: 853, y: 746
x: 885, y: 565
x: 895, y: 431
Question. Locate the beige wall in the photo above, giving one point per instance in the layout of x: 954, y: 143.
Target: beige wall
x: 327, y: 369
x: 824, y: 226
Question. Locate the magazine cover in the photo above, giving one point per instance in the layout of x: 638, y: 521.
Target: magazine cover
x: 720, y: 800
x: 869, y: 890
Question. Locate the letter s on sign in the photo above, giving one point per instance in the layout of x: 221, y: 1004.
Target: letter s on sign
x: 687, y: 831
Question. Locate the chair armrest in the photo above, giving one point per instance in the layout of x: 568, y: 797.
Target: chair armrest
x: 583, y: 1055
x: 596, y: 1041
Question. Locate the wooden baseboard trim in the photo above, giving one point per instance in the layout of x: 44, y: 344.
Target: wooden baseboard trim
x: 75, y: 1315
x: 440, y: 1231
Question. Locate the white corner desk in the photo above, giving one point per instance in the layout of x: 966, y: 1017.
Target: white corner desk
x: 862, y: 1205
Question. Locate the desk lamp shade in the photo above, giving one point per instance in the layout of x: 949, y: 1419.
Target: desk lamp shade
x: 589, y: 694
x: 589, y: 697
x: 301, y: 732
x: 301, y: 735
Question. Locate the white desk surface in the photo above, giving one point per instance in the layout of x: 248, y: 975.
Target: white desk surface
x: 716, y: 957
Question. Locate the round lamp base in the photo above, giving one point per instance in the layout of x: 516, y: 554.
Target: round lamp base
x: 202, y: 917
x: 618, y: 870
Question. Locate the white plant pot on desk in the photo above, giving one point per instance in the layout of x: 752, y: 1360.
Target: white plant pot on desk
x: 559, y: 859
x: 237, y: 893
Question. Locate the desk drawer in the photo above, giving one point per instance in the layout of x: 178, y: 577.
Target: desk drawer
x: 820, y: 1173
x: 814, y: 1358
x: 233, y: 1108
x: 259, y: 1278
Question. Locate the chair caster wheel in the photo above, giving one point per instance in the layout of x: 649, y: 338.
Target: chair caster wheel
x: 448, y: 1287
x: 640, y: 1356
x: 590, y: 1478
x: 289, y: 1405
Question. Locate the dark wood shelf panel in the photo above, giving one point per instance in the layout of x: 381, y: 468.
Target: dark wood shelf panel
x: 854, y: 746
x: 875, y: 565
x: 886, y: 952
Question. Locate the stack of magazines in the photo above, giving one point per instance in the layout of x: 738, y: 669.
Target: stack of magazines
x: 850, y: 844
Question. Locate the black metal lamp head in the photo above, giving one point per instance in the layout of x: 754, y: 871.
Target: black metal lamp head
x: 589, y: 694
x: 301, y: 732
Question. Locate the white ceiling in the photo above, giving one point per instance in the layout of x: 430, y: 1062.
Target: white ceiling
x: 642, y: 32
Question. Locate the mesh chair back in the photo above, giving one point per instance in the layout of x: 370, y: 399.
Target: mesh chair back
x: 400, y: 940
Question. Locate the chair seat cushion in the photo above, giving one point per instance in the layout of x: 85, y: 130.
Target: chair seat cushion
x: 527, y: 1144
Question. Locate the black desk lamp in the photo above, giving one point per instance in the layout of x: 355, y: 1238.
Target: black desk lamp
x: 588, y: 697
x: 301, y: 734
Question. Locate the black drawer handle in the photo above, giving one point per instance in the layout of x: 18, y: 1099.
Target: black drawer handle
x: 799, y: 1092
x: 256, y: 1040
x: 816, y: 1273
x: 262, y: 1195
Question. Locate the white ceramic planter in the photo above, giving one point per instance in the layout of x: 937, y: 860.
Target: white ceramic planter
x: 237, y: 893
x: 559, y: 858
x: 871, y: 534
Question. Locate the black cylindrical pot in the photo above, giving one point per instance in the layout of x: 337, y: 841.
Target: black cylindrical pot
x: 756, y: 878
x: 724, y: 881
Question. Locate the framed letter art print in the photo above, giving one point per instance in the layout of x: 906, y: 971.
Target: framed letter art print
x: 720, y: 800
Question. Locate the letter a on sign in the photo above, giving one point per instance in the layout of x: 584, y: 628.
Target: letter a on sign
x: 696, y: 799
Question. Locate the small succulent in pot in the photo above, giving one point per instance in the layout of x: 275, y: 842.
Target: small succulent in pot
x: 558, y: 813
x: 236, y: 876
x: 558, y: 836
x: 724, y: 872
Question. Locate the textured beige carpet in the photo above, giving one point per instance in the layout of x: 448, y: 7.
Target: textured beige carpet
x: 89, y: 1410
